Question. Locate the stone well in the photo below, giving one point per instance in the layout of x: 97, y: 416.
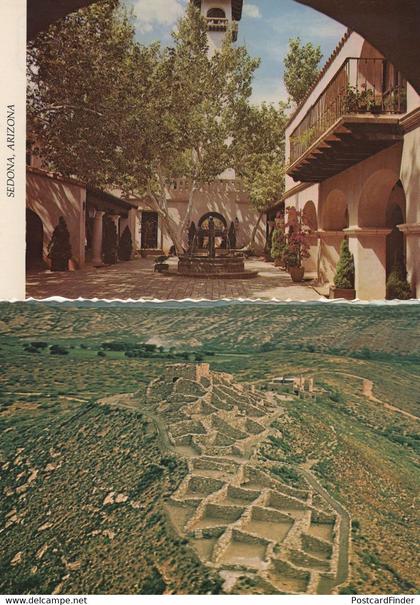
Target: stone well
x: 227, y: 266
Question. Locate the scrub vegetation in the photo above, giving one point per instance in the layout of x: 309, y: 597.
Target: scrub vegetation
x: 84, y: 485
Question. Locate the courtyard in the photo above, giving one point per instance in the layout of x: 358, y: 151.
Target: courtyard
x: 136, y: 279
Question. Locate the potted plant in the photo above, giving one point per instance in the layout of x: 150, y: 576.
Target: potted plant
x: 161, y: 266
x: 359, y: 101
x: 125, y: 247
x: 110, y: 242
x: 344, y: 275
x: 397, y: 286
x: 297, y: 248
x: 59, y: 249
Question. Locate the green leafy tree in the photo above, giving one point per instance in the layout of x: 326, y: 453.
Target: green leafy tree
x: 83, y: 73
x: 195, y: 105
x: 279, y: 242
x: 301, y: 68
x: 59, y: 249
x: 344, y: 275
x: 258, y: 148
x: 119, y: 114
x: 125, y: 246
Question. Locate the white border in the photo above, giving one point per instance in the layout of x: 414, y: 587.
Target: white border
x: 213, y: 600
x: 12, y: 92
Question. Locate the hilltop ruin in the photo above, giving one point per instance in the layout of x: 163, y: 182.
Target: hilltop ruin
x: 261, y: 534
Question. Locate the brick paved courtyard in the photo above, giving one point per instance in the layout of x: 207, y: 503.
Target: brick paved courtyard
x: 136, y: 279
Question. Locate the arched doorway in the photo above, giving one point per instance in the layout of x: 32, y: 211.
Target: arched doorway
x: 309, y: 216
x: 334, y: 212
x: 149, y: 230
x: 395, y: 244
x: 34, y: 240
x: 216, y: 13
x: 220, y: 229
x: 379, y: 244
x: 334, y: 218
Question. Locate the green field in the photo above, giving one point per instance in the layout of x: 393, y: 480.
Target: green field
x: 57, y: 361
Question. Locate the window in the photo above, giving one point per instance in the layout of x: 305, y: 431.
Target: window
x: 216, y: 13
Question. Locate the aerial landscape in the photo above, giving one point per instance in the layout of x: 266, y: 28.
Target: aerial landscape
x: 214, y: 448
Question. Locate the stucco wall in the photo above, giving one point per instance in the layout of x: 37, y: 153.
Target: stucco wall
x: 224, y: 197
x: 51, y: 198
x: 353, y: 47
x: 216, y: 38
x: 354, y: 203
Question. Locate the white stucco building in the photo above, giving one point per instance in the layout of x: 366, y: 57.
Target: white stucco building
x: 354, y: 167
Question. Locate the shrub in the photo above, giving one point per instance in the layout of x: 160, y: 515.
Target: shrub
x: 115, y: 346
x: 355, y: 525
x: 349, y: 589
x: 344, y: 276
x: 101, y: 354
x: 31, y: 349
x: 58, y: 350
x: 125, y: 247
x: 278, y: 244
x: 59, y: 248
x: 39, y: 345
x: 151, y: 474
x: 110, y: 242
x: 287, y: 474
x: 397, y: 286
x: 154, y: 584
x: 298, y: 242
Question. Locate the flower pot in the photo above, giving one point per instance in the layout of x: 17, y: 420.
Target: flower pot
x: 346, y: 293
x: 162, y: 267
x: 59, y: 264
x: 297, y: 273
x: 277, y: 262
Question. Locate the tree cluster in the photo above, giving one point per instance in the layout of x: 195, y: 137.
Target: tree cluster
x: 118, y: 114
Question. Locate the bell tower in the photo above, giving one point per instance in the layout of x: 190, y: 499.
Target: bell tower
x: 221, y: 16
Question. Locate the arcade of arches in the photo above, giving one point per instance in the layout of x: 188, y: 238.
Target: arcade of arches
x: 373, y: 217
x: 85, y: 211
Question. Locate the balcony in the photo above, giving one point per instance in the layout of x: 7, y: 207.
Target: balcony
x: 356, y: 116
x: 222, y: 24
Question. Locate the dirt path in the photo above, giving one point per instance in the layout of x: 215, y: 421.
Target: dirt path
x: 367, y: 387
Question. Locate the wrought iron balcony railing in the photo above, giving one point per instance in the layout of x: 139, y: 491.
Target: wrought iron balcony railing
x: 217, y: 24
x: 220, y: 24
x: 361, y: 86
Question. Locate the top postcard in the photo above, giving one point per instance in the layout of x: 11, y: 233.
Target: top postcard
x: 213, y: 149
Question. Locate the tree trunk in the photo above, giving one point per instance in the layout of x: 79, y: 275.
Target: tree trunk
x: 174, y: 233
x: 174, y: 230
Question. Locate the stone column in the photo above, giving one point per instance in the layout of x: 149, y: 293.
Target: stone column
x: 368, y: 246
x: 412, y: 236
x: 97, y: 239
x: 311, y: 263
x: 329, y: 253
